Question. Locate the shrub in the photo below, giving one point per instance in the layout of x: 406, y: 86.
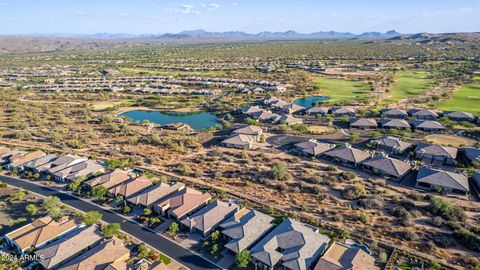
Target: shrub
x: 364, y: 218
x: 279, y: 172
x: 173, y: 228
x: 91, y: 217
x: 111, y: 230
x: 446, y: 210
x: 353, y: 192
x: 31, y: 209
x: 53, y: 207
x: 348, y: 175
x: 99, y: 192
x: 382, y: 257
x: 242, y: 258
x: 467, y: 239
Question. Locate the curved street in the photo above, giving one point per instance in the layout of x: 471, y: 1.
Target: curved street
x: 161, y: 243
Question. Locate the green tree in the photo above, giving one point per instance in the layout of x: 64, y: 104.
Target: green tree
x: 31, y: 209
x: 18, y: 196
x: 126, y: 209
x: 99, y: 192
x: 147, y: 211
x: 75, y: 184
x: 279, y: 172
x: 215, y: 236
x: 91, y: 217
x: 53, y: 207
x: 214, y: 249
x: 173, y: 228
x: 111, y: 230
x: 242, y: 259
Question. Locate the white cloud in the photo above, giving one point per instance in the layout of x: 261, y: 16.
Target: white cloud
x: 211, y: 6
x: 234, y: 3
x: 183, y: 8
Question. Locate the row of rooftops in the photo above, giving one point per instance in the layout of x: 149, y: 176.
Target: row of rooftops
x: 297, y: 246
x: 62, y: 168
x: 68, y: 244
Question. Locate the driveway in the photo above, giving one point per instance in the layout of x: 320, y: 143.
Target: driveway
x: 170, y: 248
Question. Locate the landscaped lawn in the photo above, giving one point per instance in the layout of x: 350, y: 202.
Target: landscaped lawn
x: 466, y: 99
x: 408, y: 84
x: 339, y: 90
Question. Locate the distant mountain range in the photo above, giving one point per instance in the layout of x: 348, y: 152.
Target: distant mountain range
x: 234, y: 35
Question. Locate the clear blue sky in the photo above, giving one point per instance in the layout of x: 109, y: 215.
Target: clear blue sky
x: 164, y: 16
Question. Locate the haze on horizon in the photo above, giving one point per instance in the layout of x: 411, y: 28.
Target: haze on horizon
x: 166, y: 16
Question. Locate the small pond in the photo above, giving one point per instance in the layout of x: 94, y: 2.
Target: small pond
x: 197, y: 120
x: 308, y: 102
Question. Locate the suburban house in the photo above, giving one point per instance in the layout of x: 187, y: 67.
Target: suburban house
x: 182, y: 203
x: 210, y: 217
x: 344, y: 257
x: 317, y: 110
x: 436, y: 154
x: 460, y: 116
x: 128, y: 188
x: 273, y: 101
x: 291, y: 245
x: 428, y: 125
x: 252, y: 131
x: 100, y: 256
x: 239, y: 141
x: 65, y: 249
x: 343, y: 111
x: 395, y: 124
x: 264, y: 115
x: 83, y: 169
x: 347, y: 155
x: 387, y: 166
x: 391, y: 145
x: 288, y: 120
x: 6, y: 153
x: 251, y: 110
x: 60, y: 163
x: 423, y: 114
x: 17, y: 162
x: 363, y: 123
x: 448, y: 182
x: 32, y: 165
x: 40, y: 232
x: 472, y: 154
x: 311, y: 148
x: 111, y: 179
x: 153, y: 194
x: 245, y: 228
x: 394, y: 113
x: 292, y: 108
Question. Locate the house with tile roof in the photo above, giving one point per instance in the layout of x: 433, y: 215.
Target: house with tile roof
x: 311, y: 148
x: 363, y: 123
x: 245, y: 228
x: 84, y: 169
x: 291, y: 245
x: 340, y: 256
x: 423, y: 114
x: 394, y: 124
x: 130, y: 187
x: 207, y: 219
x: 17, y: 162
x: 111, y: 179
x: 100, y: 256
x: 343, y: 111
x: 391, y: 145
x: 436, y: 154
x: 40, y: 232
x: 347, y: 155
x: 60, y: 163
x: 428, y: 126
x: 387, y: 166
x: 292, y: 108
x: 317, y: 111
x: 460, y: 116
x: 149, y: 196
x: 33, y: 164
x: 448, y: 182
x: 68, y: 247
x: 252, y: 131
x: 182, y: 203
x: 239, y: 141
x: 394, y: 113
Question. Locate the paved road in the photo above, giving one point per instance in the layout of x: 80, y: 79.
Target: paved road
x: 175, y: 251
